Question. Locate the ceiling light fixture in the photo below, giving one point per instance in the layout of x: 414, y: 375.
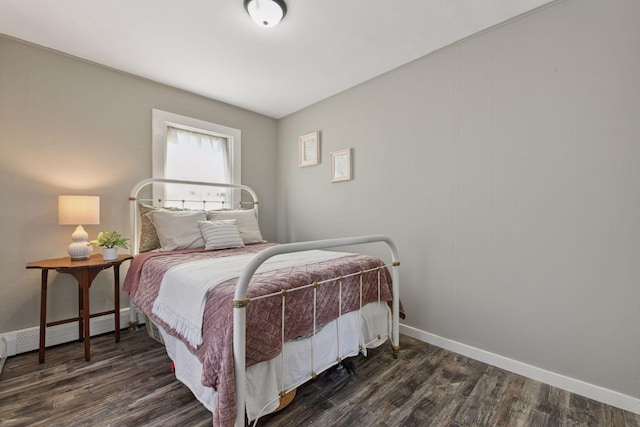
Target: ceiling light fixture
x: 266, y: 13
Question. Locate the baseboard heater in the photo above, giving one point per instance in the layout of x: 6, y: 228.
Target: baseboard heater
x: 24, y: 340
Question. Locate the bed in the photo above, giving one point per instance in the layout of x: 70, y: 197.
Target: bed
x: 246, y: 321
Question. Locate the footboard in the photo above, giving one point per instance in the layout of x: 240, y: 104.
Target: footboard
x: 241, y: 301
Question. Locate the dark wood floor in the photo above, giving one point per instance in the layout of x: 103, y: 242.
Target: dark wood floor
x: 130, y: 384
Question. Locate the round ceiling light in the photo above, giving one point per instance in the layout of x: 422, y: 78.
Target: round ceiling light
x: 266, y: 13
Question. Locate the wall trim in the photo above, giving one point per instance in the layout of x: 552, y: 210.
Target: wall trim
x: 3, y: 352
x: 25, y: 340
x: 591, y: 391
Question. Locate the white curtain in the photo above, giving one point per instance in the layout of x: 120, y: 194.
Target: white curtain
x: 196, y: 156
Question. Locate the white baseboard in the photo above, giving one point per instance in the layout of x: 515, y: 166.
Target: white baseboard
x: 25, y: 340
x: 591, y: 391
x: 3, y: 352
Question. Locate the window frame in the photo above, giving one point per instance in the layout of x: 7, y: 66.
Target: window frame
x: 161, y: 120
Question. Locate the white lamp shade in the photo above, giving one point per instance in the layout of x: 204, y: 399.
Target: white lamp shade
x: 266, y: 13
x: 75, y: 210
x: 78, y: 210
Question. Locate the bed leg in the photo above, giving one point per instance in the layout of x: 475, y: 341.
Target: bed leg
x: 133, y: 320
x: 396, y: 350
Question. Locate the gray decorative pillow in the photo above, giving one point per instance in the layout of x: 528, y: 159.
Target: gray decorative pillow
x: 220, y: 234
x: 246, y: 221
x: 178, y: 229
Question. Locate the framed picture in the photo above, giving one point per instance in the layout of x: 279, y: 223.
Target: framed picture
x: 309, y: 149
x: 341, y: 165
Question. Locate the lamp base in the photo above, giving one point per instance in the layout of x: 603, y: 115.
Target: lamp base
x: 80, y: 248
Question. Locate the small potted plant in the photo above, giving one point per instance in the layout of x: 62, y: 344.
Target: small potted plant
x: 110, y: 242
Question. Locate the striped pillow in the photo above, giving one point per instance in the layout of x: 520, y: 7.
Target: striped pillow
x: 220, y: 234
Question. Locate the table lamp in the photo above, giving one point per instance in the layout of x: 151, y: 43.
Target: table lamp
x: 77, y: 210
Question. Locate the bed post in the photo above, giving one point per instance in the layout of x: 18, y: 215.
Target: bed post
x: 239, y: 356
x: 395, y: 279
x: 133, y: 248
x: 395, y: 304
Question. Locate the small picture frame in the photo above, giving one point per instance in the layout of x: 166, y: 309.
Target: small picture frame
x: 341, y: 165
x: 309, y: 149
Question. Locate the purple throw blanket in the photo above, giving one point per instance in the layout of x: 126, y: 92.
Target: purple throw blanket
x: 264, y: 321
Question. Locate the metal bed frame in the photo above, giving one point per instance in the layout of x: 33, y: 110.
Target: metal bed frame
x: 241, y: 301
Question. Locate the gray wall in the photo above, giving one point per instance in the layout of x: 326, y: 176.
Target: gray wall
x: 506, y: 167
x: 72, y: 127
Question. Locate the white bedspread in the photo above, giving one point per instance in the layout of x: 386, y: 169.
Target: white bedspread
x: 183, y: 290
x: 368, y: 328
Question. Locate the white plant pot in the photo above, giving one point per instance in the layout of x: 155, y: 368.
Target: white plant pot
x: 109, y: 254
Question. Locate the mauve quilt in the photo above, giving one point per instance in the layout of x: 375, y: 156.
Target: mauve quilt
x: 264, y: 316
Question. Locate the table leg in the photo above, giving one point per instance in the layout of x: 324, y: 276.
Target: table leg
x: 84, y: 283
x: 116, y: 298
x: 80, y: 310
x: 43, y: 315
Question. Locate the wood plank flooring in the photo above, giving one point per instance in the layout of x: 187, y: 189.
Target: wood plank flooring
x: 131, y: 384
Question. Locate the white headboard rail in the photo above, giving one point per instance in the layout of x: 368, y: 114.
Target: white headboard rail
x: 134, y: 199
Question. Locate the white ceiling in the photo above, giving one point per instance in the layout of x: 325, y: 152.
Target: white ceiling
x: 213, y: 48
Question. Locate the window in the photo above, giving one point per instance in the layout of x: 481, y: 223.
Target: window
x: 195, y: 150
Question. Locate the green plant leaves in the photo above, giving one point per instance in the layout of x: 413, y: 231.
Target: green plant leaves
x: 111, y: 239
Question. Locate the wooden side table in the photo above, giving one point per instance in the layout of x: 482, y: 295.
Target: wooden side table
x: 84, y: 271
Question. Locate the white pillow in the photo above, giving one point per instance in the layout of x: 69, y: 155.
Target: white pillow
x: 220, y: 234
x: 178, y: 230
x: 246, y: 221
